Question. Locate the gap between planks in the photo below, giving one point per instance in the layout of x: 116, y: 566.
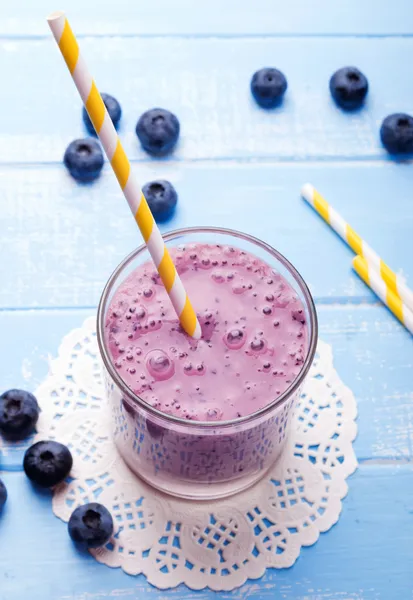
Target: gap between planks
x: 211, y: 36
x: 361, y: 161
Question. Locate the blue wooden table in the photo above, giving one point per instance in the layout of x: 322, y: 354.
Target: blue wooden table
x: 60, y: 241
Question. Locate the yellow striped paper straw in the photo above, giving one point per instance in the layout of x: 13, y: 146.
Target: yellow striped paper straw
x: 371, y: 277
x: 347, y: 233
x: 103, y: 125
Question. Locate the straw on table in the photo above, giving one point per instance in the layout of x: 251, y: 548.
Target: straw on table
x: 370, y: 276
x: 340, y: 226
x: 103, y: 125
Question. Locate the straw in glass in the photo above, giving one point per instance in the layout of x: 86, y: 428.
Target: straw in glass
x: 103, y: 125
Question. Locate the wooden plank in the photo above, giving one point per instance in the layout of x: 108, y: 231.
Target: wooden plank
x: 60, y: 240
x: 160, y: 17
x: 366, y: 556
x: 373, y: 356
x: 206, y: 83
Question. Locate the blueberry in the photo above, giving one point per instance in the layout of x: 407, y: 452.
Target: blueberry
x: 349, y: 87
x: 268, y: 87
x: 161, y: 197
x: 158, y: 131
x: 3, y: 494
x: 113, y: 108
x: 47, y: 463
x: 91, y: 525
x: 84, y: 159
x: 19, y: 412
x: 396, y: 133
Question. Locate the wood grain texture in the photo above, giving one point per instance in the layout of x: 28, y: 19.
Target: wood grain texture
x: 184, y: 17
x: 207, y: 85
x: 366, y: 556
x: 64, y: 239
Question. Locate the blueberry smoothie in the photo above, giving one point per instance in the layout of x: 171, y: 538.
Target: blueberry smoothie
x: 254, y: 344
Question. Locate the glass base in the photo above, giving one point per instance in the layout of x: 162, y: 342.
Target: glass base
x: 199, y: 490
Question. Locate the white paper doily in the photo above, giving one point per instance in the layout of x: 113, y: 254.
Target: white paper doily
x: 218, y: 544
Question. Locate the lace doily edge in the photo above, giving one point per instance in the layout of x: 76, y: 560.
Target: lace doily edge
x: 199, y: 581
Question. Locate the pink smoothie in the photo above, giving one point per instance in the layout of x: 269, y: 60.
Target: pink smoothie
x: 253, y: 345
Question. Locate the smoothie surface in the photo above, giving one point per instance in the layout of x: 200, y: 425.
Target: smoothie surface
x: 254, y: 338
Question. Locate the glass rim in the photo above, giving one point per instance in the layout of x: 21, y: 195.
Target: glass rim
x: 189, y: 423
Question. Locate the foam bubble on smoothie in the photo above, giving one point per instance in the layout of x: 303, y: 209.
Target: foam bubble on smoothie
x: 239, y: 288
x: 192, y: 369
x: 205, y: 263
x: 218, y: 276
x: 234, y: 339
x: 214, y: 414
x: 148, y: 293
x: 258, y: 345
x: 159, y: 365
